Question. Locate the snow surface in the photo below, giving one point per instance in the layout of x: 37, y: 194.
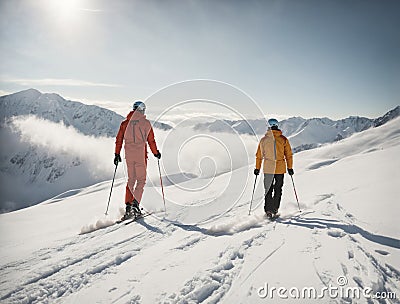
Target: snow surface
x: 65, y: 249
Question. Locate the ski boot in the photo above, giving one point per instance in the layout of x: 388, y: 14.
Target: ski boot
x: 275, y: 214
x: 272, y: 215
x: 129, y: 213
x: 136, y: 208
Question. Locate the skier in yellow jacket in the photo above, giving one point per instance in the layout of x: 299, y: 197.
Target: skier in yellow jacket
x: 274, y: 149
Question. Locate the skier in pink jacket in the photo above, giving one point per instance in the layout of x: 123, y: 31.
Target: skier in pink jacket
x: 136, y: 130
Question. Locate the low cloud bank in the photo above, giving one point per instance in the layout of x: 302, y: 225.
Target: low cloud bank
x: 40, y: 159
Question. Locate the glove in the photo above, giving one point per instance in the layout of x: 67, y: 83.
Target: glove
x: 158, y: 155
x: 117, y: 159
x: 256, y: 171
x: 290, y: 171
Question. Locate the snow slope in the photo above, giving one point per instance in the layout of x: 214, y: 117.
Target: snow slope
x: 348, y: 230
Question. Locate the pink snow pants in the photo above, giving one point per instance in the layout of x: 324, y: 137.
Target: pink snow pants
x: 136, y: 180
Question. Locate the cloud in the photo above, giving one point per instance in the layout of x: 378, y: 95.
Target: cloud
x: 59, y: 82
x: 120, y: 107
x: 90, y: 10
x: 41, y: 159
x: 279, y: 117
x: 202, y: 153
x: 192, y: 118
x: 60, y: 139
x: 2, y: 93
x: 85, y: 160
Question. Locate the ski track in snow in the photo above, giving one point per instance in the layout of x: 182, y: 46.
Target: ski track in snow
x: 52, y: 280
x: 212, y: 284
x: 56, y: 275
x: 359, y: 263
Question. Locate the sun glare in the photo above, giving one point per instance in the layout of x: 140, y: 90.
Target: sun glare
x: 64, y: 10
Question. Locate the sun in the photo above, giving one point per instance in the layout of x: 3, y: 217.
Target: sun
x: 64, y: 15
x: 64, y: 10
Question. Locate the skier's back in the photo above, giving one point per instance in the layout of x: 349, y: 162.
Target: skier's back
x: 275, y: 151
x: 137, y: 131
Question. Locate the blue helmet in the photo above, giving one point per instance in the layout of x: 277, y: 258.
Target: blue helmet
x: 139, y: 106
x: 273, y: 122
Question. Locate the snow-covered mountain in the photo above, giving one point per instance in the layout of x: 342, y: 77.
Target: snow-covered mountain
x: 387, y: 117
x: 50, y: 145
x: 303, y: 133
x: 317, y: 131
x: 87, y: 119
x: 344, y: 247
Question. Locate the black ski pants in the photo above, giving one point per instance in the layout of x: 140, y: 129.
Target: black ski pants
x: 273, y: 191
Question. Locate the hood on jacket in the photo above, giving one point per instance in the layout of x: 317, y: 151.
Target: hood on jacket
x: 136, y: 115
x: 275, y: 132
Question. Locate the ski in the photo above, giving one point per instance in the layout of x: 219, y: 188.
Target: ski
x: 133, y: 218
x: 129, y: 221
x: 273, y: 217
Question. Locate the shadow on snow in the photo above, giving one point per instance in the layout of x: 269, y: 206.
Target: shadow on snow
x: 312, y: 223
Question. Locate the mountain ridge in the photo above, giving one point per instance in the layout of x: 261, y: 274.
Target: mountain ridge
x: 303, y: 133
x: 88, y: 119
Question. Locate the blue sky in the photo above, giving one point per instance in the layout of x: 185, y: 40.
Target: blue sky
x: 304, y: 58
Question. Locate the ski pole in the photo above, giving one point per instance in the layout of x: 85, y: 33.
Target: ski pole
x: 254, y: 188
x: 162, y: 187
x: 295, y: 193
x: 112, y: 185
